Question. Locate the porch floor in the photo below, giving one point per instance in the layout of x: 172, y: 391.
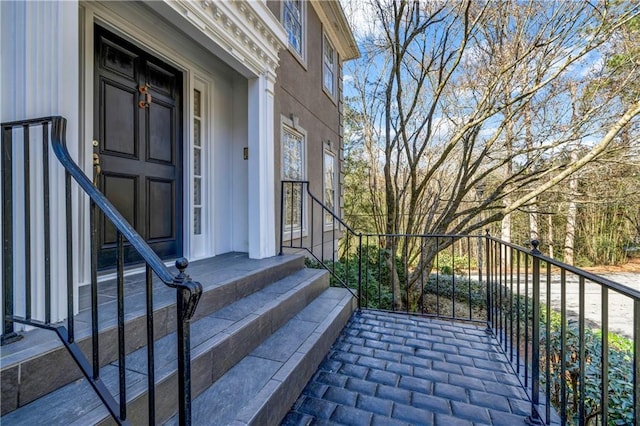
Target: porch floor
x: 391, y: 369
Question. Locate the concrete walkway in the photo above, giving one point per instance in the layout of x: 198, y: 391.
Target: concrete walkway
x: 389, y: 369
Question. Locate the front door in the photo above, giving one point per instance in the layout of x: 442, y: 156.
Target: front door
x: 139, y: 133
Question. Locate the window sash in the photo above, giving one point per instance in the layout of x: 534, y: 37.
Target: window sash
x: 329, y: 187
x: 292, y: 169
x: 329, y: 64
x: 293, y: 23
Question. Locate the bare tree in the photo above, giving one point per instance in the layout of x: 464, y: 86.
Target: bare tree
x: 444, y: 92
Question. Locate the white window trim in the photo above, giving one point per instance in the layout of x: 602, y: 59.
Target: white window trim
x: 291, y: 125
x: 332, y: 95
x: 200, y: 244
x: 332, y: 224
x: 301, y: 57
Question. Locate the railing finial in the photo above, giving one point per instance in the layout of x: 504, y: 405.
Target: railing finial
x: 181, y: 264
x: 535, y: 244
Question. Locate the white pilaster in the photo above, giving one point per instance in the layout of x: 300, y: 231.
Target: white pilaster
x: 262, y: 238
x: 39, y: 69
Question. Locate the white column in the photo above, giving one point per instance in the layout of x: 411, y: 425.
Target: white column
x: 39, y: 77
x: 262, y: 238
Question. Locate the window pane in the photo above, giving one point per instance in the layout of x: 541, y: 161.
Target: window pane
x: 197, y: 103
x: 197, y: 192
x: 329, y: 186
x: 292, y: 156
x: 197, y: 221
x: 328, y: 65
x: 197, y: 169
x: 196, y: 132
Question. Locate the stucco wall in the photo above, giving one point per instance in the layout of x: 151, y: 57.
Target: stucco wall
x: 299, y: 92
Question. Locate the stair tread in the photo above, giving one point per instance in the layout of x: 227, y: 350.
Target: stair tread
x: 212, y: 273
x: 206, y: 333
x: 255, y: 378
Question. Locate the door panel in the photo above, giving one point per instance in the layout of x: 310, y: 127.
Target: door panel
x: 139, y: 130
x: 120, y: 106
x: 160, y: 123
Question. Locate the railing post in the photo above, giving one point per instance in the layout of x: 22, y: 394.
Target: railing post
x: 8, y: 333
x: 487, y: 258
x: 184, y: 345
x: 534, y: 418
x: 281, y: 216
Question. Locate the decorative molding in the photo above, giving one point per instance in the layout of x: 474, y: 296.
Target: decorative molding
x: 248, y: 31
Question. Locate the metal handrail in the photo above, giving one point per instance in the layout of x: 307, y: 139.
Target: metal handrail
x: 187, y: 295
x: 310, y: 247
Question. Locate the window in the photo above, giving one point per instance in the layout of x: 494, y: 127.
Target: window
x: 293, y: 147
x: 329, y: 186
x: 197, y: 161
x: 294, y: 25
x: 328, y: 67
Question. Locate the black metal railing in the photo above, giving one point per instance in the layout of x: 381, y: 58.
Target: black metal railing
x: 17, y: 140
x: 307, y: 224
x: 554, y: 324
x: 575, y: 367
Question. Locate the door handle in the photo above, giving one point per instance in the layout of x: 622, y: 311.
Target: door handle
x: 96, y: 164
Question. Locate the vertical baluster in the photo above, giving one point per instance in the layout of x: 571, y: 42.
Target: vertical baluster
x: 95, y: 337
x: 526, y: 320
x: 380, y: 259
x: 359, y: 271
x: 563, y: 345
x: 499, y: 309
x: 8, y: 334
x: 469, y: 276
x: 548, y: 347
x: 604, y: 390
x: 293, y: 201
x: 511, y: 344
x: 405, y: 255
x: 27, y: 224
x: 312, y: 229
x: 453, y: 277
x: 366, y: 273
x: 302, y: 198
x: 282, y: 213
x: 47, y: 225
x: 437, y: 276
x: 535, y: 334
x: 636, y: 362
x: 151, y: 380
x: 121, y: 341
x: 581, y: 351
x: 487, y: 258
x: 518, y: 309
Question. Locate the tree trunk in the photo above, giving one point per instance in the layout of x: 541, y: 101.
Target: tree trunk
x: 572, y: 212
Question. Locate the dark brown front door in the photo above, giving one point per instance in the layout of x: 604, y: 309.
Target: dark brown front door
x: 138, y: 129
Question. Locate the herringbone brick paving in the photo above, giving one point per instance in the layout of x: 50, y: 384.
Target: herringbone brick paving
x: 390, y: 369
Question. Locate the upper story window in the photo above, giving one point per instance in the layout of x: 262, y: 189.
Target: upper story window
x: 293, y: 19
x: 328, y: 66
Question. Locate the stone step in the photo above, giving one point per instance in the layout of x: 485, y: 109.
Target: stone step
x: 263, y: 386
x: 39, y: 364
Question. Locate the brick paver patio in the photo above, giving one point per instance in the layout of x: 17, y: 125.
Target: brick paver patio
x: 389, y: 369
